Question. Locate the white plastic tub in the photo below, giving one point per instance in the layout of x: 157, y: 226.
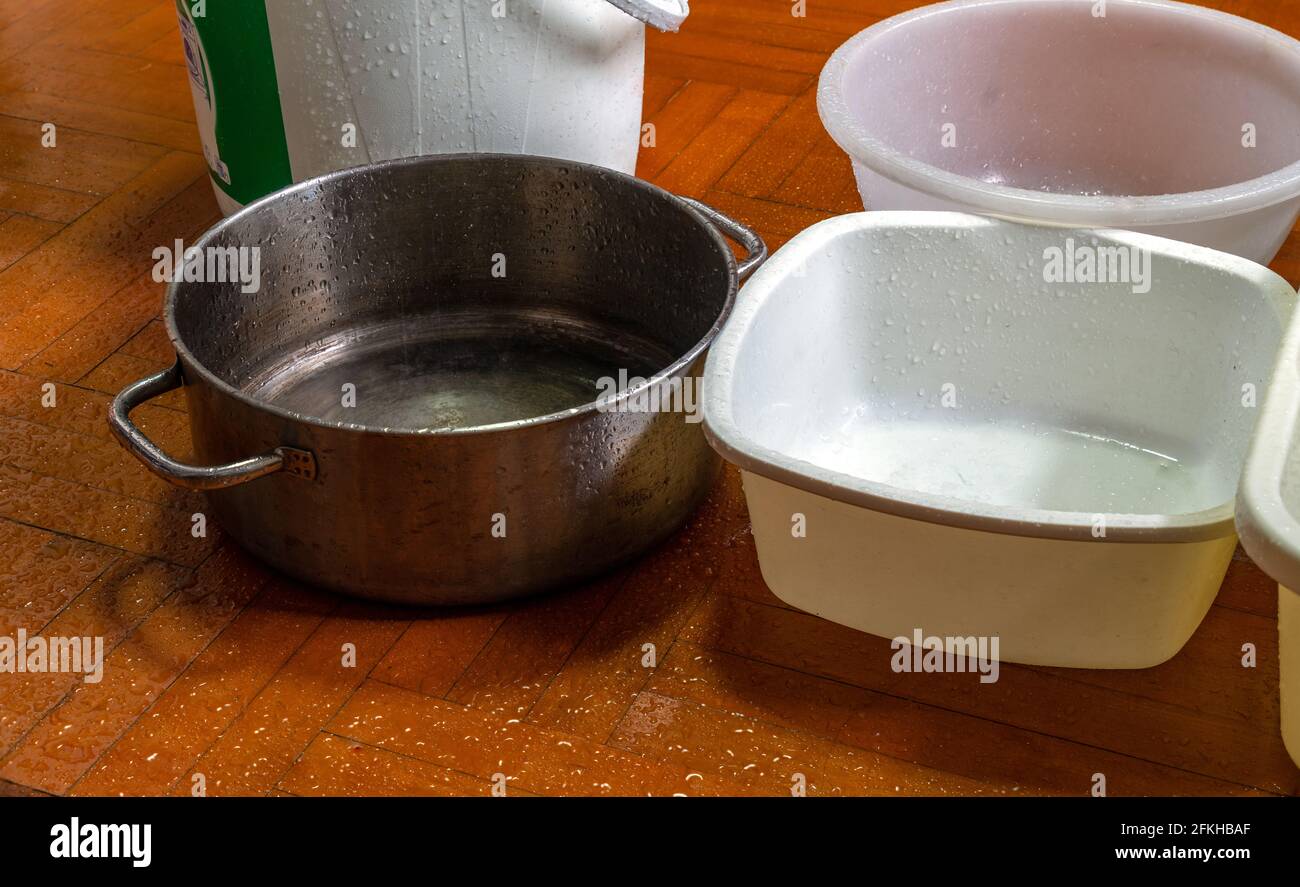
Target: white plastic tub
x: 1268, y: 518
x: 973, y: 451
x: 1040, y: 110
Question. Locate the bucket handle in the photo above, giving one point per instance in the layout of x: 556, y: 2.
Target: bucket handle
x: 755, y: 248
x: 300, y: 463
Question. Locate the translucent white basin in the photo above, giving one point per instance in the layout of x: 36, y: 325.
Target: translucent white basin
x: 1161, y: 117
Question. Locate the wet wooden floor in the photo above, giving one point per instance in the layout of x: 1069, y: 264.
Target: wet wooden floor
x: 217, y: 668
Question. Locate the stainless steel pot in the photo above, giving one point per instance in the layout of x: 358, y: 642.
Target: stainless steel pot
x: 408, y: 408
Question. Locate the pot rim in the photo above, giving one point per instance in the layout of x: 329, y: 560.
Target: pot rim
x: 190, y: 363
x: 1107, y: 210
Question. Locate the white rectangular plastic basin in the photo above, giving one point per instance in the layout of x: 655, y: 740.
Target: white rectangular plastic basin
x: 1268, y: 518
x: 934, y: 435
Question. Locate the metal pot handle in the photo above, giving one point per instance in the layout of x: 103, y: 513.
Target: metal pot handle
x: 755, y: 248
x: 194, y: 477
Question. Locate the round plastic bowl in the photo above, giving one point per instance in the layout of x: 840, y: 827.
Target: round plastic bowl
x: 1160, y: 117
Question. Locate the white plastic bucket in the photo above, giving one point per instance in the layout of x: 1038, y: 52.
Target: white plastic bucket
x: 291, y: 89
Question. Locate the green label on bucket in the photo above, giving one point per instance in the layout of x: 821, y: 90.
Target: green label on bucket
x: 236, y: 95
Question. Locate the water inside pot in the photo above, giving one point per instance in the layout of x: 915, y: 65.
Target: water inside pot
x: 447, y: 370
